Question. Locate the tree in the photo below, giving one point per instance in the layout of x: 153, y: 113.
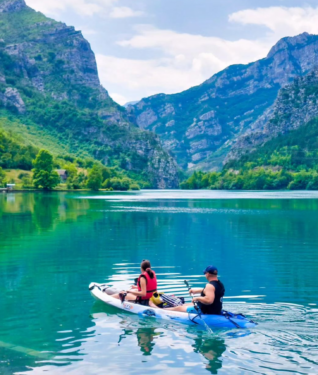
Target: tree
x: 300, y: 181
x: 71, y: 170
x: 121, y: 184
x: 43, y: 174
x: 72, y: 176
x: 27, y: 181
x: 2, y: 177
x: 313, y: 185
x: 95, y: 178
x: 134, y: 187
x: 106, y: 172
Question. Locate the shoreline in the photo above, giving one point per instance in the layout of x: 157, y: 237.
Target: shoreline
x: 8, y: 191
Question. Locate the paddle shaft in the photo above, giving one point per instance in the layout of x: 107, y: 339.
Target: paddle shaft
x: 192, y: 295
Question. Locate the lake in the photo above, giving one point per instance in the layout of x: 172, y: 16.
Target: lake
x: 52, y: 245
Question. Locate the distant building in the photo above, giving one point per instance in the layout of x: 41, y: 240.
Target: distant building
x: 10, y: 186
x: 63, y: 174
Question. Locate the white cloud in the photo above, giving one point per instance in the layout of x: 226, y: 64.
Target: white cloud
x: 182, y: 60
x: 118, y: 98
x: 281, y: 21
x: 186, y: 60
x: 188, y: 47
x: 147, y: 76
x: 124, y: 12
x: 84, y: 7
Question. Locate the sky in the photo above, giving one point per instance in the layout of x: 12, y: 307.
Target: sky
x: 146, y: 47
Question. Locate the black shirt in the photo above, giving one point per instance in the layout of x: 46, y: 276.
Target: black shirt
x: 216, y: 307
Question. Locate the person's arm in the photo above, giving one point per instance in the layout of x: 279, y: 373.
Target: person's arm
x: 195, y: 290
x: 143, y: 286
x: 209, y: 295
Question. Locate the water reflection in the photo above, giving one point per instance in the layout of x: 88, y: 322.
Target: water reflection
x: 46, y: 210
x: 145, y: 339
x: 211, y: 349
x: 148, y: 332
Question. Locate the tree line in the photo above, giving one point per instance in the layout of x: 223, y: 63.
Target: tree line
x: 254, y: 179
x: 44, y: 176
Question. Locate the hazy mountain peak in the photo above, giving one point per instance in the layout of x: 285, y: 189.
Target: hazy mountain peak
x: 292, y: 42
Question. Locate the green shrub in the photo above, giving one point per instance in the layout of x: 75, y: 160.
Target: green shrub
x: 134, y: 187
x: 22, y: 175
x: 3, y: 180
x: 300, y: 181
x: 121, y: 184
x: 27, y: 181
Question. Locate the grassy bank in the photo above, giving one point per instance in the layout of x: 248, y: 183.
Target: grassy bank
x: 19, y: 177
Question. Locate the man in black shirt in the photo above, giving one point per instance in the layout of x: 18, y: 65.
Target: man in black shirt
x: 211, y: 298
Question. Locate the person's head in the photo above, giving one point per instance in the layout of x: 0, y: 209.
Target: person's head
x: 211, y: 273
x: 146, y: 267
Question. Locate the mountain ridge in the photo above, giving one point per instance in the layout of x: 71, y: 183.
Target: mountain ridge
x: 49, y: 80
x: 7, y: 6
x: 200, y: 125
x: 295, y: 106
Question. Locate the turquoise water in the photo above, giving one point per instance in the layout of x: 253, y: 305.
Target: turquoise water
x: 53, y: 245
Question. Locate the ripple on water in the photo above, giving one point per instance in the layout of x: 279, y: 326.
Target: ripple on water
x: 50, y: 254
x: 284, y: 341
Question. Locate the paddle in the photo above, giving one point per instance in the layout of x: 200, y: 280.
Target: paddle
x: 195, y: 304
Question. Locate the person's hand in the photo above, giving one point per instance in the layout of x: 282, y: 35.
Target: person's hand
x: 195, y: 299
x: 191, y: 291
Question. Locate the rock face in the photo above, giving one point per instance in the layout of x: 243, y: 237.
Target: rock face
x: 7, y: 6
x: 207, y: 119
x: 49, y: 64
x: 12, y: 98
x: 296, y: 105
x: 56, y: 58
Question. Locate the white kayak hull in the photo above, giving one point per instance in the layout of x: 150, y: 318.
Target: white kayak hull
x: 213, y: 321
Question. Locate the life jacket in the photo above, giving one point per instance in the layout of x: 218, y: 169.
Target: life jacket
x: 151, y: 284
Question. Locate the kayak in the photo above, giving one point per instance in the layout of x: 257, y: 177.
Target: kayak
x: 103, y: 293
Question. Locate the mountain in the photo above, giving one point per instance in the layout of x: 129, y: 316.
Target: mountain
x: 289, y: 138
x: 200, y: 125
x: 50, y: 90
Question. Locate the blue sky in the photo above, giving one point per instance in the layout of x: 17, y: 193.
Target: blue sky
x: 145, y: 47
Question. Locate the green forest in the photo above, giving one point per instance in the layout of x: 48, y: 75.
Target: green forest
x: 39, y: 169
x: 289, y: 161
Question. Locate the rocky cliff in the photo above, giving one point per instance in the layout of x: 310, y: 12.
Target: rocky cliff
x: 49, y: 79
x: 296, y: 106
x: 200, y: 125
